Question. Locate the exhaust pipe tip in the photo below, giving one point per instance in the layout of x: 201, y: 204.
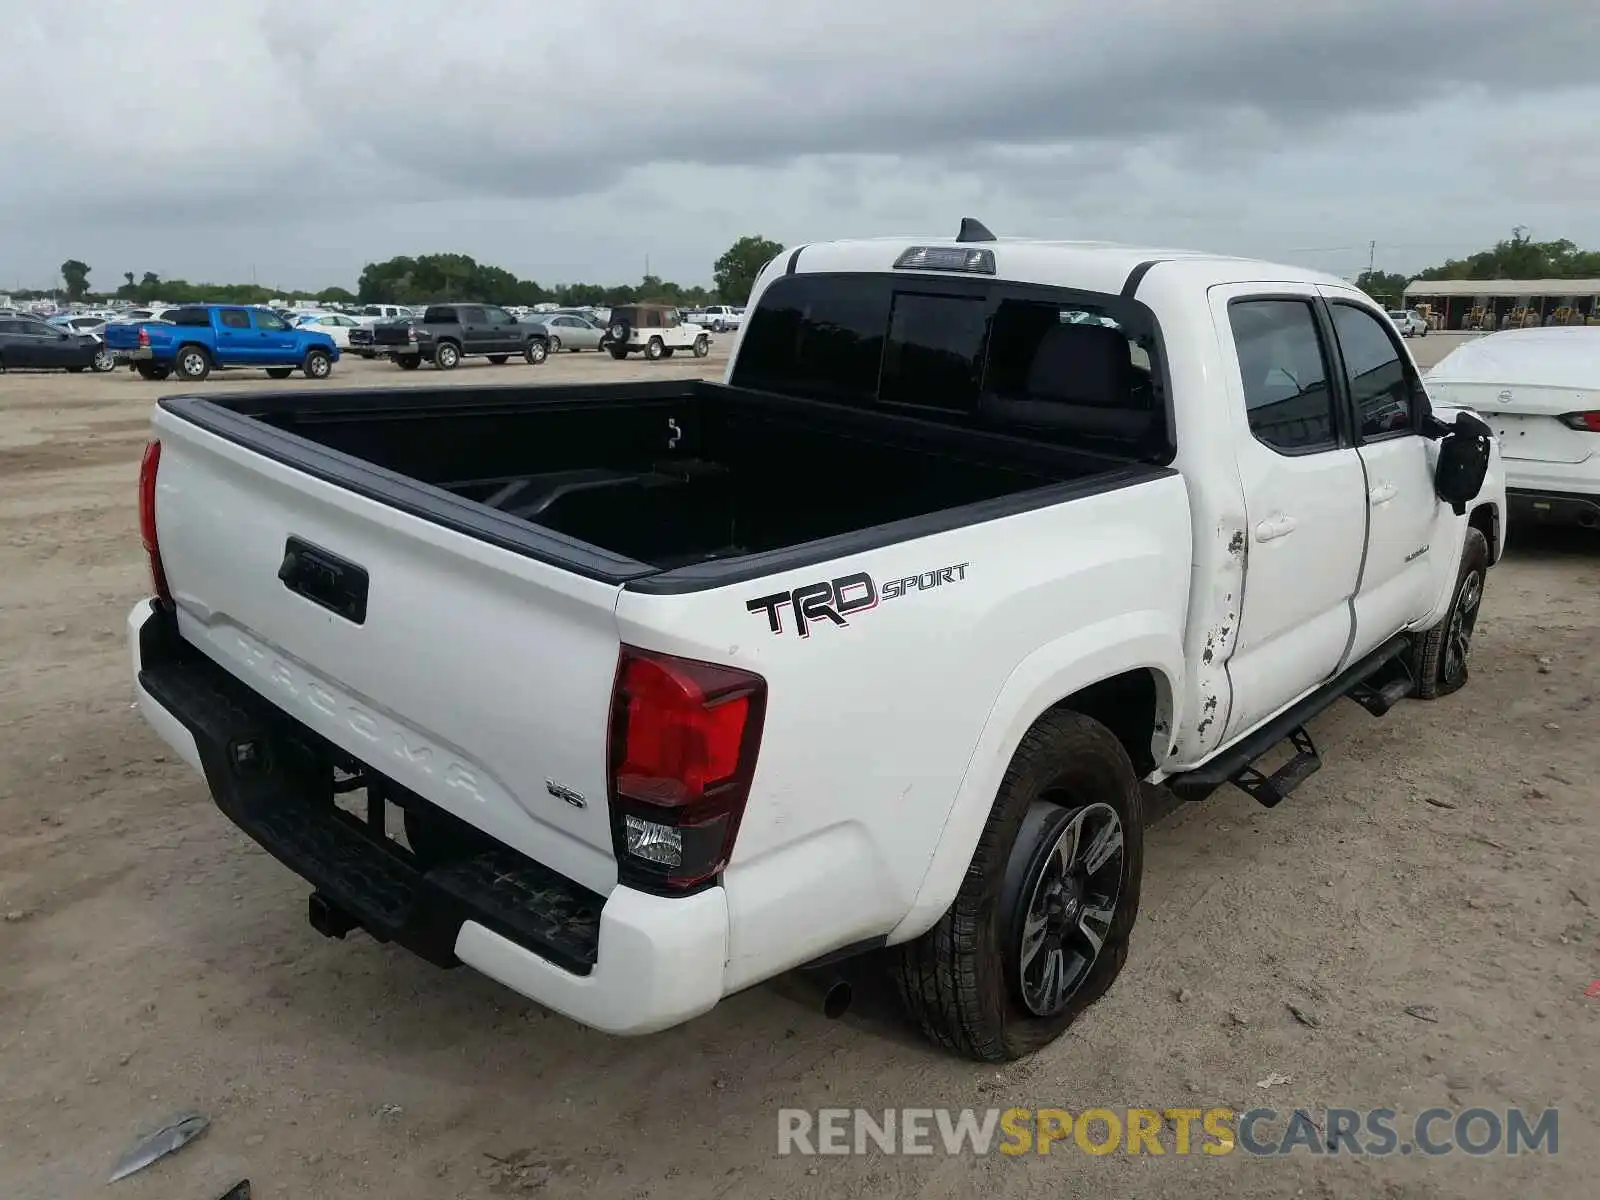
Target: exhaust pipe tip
x: 836, y: 999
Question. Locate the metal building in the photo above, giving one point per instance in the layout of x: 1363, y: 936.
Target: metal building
x: 1505, y: 303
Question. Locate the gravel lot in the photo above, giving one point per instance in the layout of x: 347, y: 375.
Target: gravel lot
x: 152, y: 959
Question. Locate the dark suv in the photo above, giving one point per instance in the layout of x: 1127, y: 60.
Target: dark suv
x: 447, y: 333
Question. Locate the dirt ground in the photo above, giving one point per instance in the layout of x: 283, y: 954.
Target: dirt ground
x: 152, y: 959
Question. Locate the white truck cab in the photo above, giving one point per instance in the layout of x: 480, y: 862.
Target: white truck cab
x: 886, y: 643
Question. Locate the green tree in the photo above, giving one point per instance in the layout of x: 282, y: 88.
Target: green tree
x: 336, y: 295
x: 76, y: 276
x: 735, y: 272
x: 1387, y: 287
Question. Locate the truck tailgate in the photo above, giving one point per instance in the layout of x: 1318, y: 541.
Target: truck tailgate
x: 478, y: 678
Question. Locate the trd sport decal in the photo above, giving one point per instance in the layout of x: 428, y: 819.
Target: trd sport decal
x: 837, y: 600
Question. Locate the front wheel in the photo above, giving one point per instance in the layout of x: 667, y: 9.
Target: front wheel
x: 655, y: 348
x: 1040, y: 926
x: 702, y: 346
x: 1439, y: 656
x: 318, y: 364
x: 536, y: 352
x: 193, y: 364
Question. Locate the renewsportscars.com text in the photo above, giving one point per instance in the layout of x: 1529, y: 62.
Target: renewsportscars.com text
x: 1375, y: 1132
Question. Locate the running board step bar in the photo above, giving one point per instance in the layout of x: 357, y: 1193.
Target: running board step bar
x: 1269, y: 790
x: 1392, y: 683
x: 1236, y: 762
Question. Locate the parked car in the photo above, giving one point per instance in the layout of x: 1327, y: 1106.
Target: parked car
x: 880, y: 643
x: 656, y: 330
x: 718, y: 317
x: 371, y: 314
x: 336, y: 325
x: 447, y: 333
x: 1409, y: 322
x: 197, y: 339
x: 568, y: 331
x: 26, y: 342
x: 1539, y: 389
x: 91, y: 325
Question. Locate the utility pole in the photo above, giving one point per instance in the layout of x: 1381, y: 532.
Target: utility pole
x: 1372, y: 254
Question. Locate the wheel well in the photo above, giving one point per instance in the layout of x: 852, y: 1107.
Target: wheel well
x: 1135, y: 706
x: 200, y: 346
x: 1486, y: 520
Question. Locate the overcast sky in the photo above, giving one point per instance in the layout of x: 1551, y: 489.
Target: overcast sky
x: 295, y: 141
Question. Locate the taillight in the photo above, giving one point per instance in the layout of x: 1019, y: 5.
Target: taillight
x: 144, y: 336
x: 148, y: 467
x: 683, y: 741
x: 1584, y: 422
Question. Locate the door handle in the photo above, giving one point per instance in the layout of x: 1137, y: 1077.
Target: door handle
x: 1383, y: 493
x: 1275, y: 527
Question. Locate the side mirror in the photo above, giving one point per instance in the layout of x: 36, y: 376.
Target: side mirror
x: 1463, y: 462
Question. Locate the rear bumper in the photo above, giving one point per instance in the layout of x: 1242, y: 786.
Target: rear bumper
x: 626, y: 963
x: 138, y: 354
x: 1554, y: 508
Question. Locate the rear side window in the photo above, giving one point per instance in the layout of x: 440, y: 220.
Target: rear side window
x: 1381, y: 387
x: 232, y: 318
x: 440, y: 316
x: 473, y: 316
x: 1281, y: 362
x: 1076, y: 367
x: 191, y: 317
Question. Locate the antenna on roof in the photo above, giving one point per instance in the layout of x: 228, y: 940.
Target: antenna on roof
x: 974, y: 230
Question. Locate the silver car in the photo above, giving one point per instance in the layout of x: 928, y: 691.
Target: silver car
x: 568, y: 331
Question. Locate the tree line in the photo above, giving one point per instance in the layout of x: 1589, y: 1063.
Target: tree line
x: 427, y: 277
x: 1516, y: 257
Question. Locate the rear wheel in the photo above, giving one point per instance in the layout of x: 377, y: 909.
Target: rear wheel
x: 1040, y: 927
x: 1439, y: 656
x: 318, y: 364
x: 103, y: 361
x: 619, y: 352
x: 193, y: 364
x: 152, y: 372
x: 447, y: 356
x: 498, y: 360
x: 555, y: 344
x: 279, y: 372
x: 407, y: 362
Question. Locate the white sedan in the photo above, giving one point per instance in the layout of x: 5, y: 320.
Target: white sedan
x: 1409, y: 322
x: 335, y: 325
x: 1539, y: 389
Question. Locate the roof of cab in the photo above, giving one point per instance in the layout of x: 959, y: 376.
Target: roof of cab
x: 1087, y: 265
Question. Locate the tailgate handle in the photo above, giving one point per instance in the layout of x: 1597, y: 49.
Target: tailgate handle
x: 322, y: 577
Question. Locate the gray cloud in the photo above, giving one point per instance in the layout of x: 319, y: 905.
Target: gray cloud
x: 313, y: 137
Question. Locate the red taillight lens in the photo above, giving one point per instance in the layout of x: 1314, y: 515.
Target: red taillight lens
x: 144, y: 336
x: 683, y: 742
x: 1585, y: 422
x: 148, y: 467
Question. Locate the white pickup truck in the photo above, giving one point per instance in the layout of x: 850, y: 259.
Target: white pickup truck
x: 889, y: 641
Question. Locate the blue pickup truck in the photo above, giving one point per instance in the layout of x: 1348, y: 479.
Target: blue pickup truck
x: 194, y: 340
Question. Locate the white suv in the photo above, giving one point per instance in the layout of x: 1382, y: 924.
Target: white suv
x: 1409, y: 321
x: 658, y: 330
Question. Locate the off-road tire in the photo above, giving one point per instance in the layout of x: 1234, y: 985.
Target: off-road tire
x: 654, y: 349
x: 953, y: 980
x: 1428, y: 656
x: 702, y: 346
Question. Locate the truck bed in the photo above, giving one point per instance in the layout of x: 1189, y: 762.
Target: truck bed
x: 674, y: 485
